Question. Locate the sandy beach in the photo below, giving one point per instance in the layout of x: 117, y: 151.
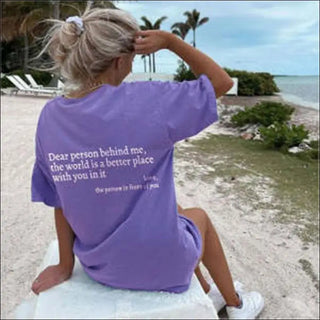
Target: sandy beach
x: 262, y: 254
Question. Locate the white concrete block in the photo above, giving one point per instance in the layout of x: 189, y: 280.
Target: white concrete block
x: 83, y: 298
x: 234, y: 90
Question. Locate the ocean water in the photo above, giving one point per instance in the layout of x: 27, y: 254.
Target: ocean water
x: 302, y: 90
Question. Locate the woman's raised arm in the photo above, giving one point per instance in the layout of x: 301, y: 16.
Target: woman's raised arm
x: 200, y: 63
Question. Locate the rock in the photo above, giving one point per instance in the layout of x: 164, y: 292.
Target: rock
x: 245, y: 127
x: 253, y: 129
x: 225, y: 119
x: 295, y: 150
x: 228, y: 110
x: 247, y: 136
x: 304, y: 146
x: 258, y: 137
x: 307, y: 140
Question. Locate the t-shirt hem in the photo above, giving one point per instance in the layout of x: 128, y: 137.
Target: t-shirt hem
x: 46, y: 202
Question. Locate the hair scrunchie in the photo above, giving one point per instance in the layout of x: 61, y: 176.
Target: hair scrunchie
x: 78, y: 21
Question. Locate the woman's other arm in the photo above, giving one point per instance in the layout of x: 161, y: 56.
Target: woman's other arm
x: 65, y: 238
x: 55, y: 274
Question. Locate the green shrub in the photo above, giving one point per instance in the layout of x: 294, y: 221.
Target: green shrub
x: 41, y: 77
x: 253, y: 83
x: 314, y: 144
x: 249, y: 83
x: 311, y: 154
x: 183, y: 73
x: 314, y: 152
x: 282, y: 136
x: 264, y: 113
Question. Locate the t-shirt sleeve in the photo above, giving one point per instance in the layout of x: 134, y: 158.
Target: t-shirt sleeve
x: 187, y: 107
x: 42, y: 185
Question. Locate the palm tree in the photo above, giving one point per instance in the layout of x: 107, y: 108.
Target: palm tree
x: 18, y: 21
x: 21, y: 18
x: 149, y: 26
x: 194, y: 23
x: 143, y: 57
x: 181, y: 29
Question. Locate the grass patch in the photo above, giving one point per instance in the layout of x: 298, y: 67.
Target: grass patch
x: 307, y: 268
x: 296, y: 180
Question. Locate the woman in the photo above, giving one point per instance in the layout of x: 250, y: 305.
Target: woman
x: 104, y: 155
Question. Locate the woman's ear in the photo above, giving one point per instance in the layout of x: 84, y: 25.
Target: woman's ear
x: 118, y: 62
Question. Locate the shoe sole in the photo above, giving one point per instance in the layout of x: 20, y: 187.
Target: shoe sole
x: 260, y: 309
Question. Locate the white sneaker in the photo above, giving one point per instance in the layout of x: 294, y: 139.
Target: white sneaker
x: 217, y: 298
x: 252, y: 305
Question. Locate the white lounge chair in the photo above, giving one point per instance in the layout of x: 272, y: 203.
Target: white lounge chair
x: 23, y: 87
x: 60, y: 84
x: 34, y: 84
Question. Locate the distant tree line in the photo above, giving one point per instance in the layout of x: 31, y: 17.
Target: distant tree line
x: 249, y: 83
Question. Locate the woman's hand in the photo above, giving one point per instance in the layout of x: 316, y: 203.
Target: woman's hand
x: 49, y: 277
x: 152, y: 41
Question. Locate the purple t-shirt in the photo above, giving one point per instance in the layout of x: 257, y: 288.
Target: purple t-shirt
x: 107, y: 160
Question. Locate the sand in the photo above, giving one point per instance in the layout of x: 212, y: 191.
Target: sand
x: 262, y: 255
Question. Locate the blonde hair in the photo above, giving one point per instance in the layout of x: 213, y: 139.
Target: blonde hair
x: 77, y: 57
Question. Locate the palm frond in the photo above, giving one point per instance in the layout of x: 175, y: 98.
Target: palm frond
x: 147, y: 22
x: 158, y: 22
x: 203, y: 20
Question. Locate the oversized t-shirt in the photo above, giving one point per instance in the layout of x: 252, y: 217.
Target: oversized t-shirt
x: 106, y: 159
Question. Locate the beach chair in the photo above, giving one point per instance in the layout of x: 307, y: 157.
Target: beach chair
x: 25, y: 88
x: 80, y: 297
x: 60, y: 84
x: 34, y: 84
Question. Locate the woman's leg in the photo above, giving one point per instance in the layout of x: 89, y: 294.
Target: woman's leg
x: 212, y: 256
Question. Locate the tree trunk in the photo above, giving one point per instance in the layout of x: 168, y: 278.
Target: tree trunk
x: 154, y: 62
x: 26, y: 53
x: 194, y: 38
x: 149, y: 62
x: 90, y: 3
x: 56, y: 15
x: 56, y: 9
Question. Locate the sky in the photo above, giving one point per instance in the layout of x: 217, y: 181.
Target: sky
x: 279, y: 37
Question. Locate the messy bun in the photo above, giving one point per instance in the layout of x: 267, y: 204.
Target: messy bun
x: 82, y: 53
